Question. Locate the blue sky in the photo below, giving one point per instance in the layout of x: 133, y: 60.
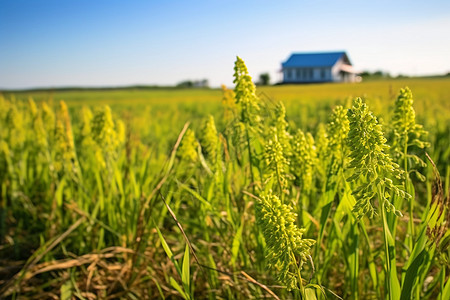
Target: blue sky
x: 106, y: 43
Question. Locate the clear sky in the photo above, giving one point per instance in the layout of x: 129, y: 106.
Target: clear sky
x: 51, y: 43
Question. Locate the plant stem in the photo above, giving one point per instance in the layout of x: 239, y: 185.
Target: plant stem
x: 386, y: 251
x: 411, y: 201
x: 299, y: 277
x: 391, y: 279
x: 250, y: 157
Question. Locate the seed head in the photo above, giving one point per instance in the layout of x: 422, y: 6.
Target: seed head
x: 245, y: 93
x: 210, y: 139
x: 102, y: 127
x: 188, y: 148
x: 406, y: 132
x: 370, y: 160
x: 283, y: 238
x: 48, y: 117
x: 303, y: 159
x: 337, y: 130
x: 276, y: 162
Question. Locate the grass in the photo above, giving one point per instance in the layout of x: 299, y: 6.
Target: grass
x: 156, y: 198
x: 431, y: 94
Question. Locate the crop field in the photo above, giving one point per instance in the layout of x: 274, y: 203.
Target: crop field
x: 325, y: 191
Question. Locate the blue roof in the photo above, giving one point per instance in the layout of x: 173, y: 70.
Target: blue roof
x: 317, y: 59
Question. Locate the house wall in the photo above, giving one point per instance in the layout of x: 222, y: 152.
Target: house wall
x: 337, y: 75
x: 335, y: 71
x: 296, y: 75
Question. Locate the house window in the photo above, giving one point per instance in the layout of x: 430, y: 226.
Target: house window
x: 323, y: 73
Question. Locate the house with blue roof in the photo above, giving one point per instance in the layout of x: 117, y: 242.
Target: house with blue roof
x: 318, y: 67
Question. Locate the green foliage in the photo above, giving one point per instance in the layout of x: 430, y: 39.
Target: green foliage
x: 251, y: 182
x: 406, y: 132
x: 322, y: 143
x: 283, y: 239
x: 303, y: 159
x: 404, y: 120
x: 337, y: 130
x: 264, y: 79
x: 210, y: 139
x: 371, y: 164
x: 65, y: 153
x: 38, y: 127
x: 276, y: 162
x: 188, y: 152
x: 103, y: 132
x: 245, y: 94
x: 280, y: 128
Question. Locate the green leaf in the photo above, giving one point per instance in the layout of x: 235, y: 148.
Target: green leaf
x: 320, y: 291
x: 59, y: 192
x: 236, y: 244
x: 310, y: 294
x: 185, y: 276
x: 176, y: 286
x: 412, y: 274
x: 390, y: 263
x: 353, y: 258
x: 164, y: 244
x: 66, y: 290
x: 158, y: 286
x: 118, y: 177
x: 446, y: 291
x: 195, y: 194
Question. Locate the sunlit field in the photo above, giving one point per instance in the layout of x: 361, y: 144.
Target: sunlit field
x: 291, y: 191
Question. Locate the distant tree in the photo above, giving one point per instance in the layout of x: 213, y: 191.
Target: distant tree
x: 204, y: 83
x: 378, y: 73
x: 365, y: 74
x: 185, y: 84
x: 375, y: 75
x: 402, y: 76
x: 201, y: 83
x: 264, y: 79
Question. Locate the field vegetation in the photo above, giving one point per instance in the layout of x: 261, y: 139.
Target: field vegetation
x: 336, y: 191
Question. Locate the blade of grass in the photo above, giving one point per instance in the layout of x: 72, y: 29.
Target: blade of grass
x: 185, y: 274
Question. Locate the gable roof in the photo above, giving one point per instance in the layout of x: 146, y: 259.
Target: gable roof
x: 315, y: 59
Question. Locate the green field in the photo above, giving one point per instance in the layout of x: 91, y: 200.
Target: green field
x: 222, y: 194
x: 431, y: 95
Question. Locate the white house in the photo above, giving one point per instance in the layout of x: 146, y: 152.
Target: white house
x: 318, y: 67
